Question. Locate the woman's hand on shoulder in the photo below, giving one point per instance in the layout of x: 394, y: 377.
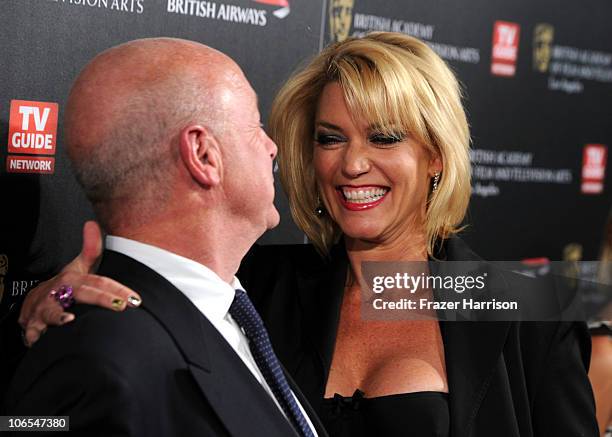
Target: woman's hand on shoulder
x: 40, y: 309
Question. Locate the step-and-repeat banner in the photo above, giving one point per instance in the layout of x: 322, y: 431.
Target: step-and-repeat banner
x: 537, y: 78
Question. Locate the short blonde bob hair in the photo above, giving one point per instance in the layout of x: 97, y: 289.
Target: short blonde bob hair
x: 391, y: 80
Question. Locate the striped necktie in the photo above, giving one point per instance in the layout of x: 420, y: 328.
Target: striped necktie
x: 245, y: 314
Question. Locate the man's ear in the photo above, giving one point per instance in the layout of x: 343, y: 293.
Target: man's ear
x: 200, y: 153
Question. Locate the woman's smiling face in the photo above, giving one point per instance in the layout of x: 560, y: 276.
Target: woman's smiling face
x: 374, y: 185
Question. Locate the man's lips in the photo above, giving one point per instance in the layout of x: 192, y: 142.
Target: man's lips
x: 361, y: 197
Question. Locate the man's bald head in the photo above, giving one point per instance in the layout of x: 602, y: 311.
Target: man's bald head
x: 127, y: 106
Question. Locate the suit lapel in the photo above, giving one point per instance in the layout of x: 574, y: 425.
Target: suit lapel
x: 240, y: 402
x: 314, y: 418
x: 472, y: 351
x: 227, y: 384
x: 320, y: 293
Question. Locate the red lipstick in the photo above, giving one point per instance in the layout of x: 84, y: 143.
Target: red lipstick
x: 353, y: 206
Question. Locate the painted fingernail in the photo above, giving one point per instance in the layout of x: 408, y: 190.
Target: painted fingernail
x: 117, y: 304
x: 65, y: 318
x: 134, y: 301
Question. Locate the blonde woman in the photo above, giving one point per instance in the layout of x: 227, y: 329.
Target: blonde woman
x: 373, y: 154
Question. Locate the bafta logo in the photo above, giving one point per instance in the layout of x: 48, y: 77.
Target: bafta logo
x: 572, y: 255
x: 543, y: 36
x: 3, y: 272
x: 572, y: 252
x: 340, y: 19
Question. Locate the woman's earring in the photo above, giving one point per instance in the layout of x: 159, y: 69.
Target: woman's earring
x: 436, y: 179
x: 319, y: 209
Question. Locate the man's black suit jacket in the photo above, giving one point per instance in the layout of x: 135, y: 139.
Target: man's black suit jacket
x: 159, y: 370
x: 505, y: 378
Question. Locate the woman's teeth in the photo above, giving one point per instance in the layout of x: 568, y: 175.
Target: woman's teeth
x: 364, y: 196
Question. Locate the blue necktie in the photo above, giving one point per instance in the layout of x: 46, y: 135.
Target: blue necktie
x: 245, y: 314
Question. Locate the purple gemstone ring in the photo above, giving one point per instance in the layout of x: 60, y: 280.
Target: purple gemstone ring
x: 63, y: 296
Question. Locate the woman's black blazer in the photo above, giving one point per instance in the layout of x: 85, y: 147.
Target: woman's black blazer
x: 505, y: 378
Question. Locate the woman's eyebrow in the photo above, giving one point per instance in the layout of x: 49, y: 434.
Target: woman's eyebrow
x: 328, y: 125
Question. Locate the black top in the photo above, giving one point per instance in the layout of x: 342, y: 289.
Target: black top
x: 424, y: 414
x: 601, y: 328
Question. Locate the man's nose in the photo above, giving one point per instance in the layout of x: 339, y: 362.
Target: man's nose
x: 272, y: 147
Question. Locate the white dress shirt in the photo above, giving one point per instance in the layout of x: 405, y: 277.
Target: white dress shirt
x: 206, y: 290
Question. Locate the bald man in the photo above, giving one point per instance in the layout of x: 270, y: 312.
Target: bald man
x: 165, y: 138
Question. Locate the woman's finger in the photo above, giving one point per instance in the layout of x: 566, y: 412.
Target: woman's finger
x: 91, y: 249
x: 55, y: 316
x: 102, y: 298
x: 82, y: 285
x: 33, y: 331
x: 36, y: 297
x: 111, y: 288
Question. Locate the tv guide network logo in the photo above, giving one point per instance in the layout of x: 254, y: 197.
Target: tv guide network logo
x: 505, y: 48
x: 594, y: 157
x: 32, y: 137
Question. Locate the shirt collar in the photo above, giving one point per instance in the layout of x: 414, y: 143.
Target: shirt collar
x: 203, y: 287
